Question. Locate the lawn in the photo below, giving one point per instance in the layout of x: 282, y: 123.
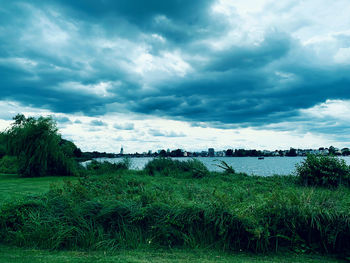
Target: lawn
x: 14, y: 187
x: 20, y: 255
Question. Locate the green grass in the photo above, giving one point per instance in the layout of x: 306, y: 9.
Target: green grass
x: 131, y: 209
x: 14, y: 187
x: 20, y: 255
x: 182, y: 208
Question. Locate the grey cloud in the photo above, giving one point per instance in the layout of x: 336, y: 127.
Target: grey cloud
x: 124, y: 126
x: 98, y: 123
x: 158, y: 133
x: 64, y: 120
x: 240, y: 86
x: 275, y: 46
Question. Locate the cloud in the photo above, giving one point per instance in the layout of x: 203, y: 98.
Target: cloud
x: 98, y: 123
x: 159, y: 133
x: 222, y: 64
x: 125, y: 126
x: 63, y: 119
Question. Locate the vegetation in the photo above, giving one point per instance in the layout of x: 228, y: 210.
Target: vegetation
x: 95, y: 167
x: 14, y: 188
x: 324, y: 171
x: 20, y: 255
x: 227, y: 168
x: 170, y: 204
x: 9, y: 165
x: 39, y: 148
x: 169, y: 167
x: 133, y: 210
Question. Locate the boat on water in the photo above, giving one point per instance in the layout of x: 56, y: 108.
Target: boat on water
x: 261, y: 158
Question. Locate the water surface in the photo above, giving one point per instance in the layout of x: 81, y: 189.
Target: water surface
x: 250, y: 165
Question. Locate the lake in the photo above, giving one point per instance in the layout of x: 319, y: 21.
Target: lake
x: 250, y: 165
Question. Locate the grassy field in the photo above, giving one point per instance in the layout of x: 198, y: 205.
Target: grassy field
x: 14, y: 187
x: 170, y: 215
x: 20, y: 255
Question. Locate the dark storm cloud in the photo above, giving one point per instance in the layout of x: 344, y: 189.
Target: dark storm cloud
x: 275, y: 46
x: 79, y: 56
x: 177, y: 20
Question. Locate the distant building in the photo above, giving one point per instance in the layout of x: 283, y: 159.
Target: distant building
x: 121, y: 150
x: 211, y: 152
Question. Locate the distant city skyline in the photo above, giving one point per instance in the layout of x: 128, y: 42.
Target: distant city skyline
x: 180, y: 74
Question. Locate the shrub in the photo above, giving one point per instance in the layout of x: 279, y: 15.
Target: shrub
x: 170, y: 167
x: 8, y: 164
x: 323, y: 171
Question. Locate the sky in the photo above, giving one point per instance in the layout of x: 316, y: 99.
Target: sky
x: 149, y: 75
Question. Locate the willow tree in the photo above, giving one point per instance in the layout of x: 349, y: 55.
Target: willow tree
x: 36, y: 143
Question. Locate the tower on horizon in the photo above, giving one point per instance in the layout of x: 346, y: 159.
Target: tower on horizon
x: 121, y: 150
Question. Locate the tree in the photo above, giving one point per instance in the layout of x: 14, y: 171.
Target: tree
x: 2, y: 145
x: 229, y: 152
x: 292, y: 152
x: 39, y: 147
x: 332, y: 150
x: 162, y: 153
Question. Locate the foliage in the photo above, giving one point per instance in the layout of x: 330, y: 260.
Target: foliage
x: 8, y: 165
x: 39, y: 147
x: 171, y: 167
x: 227, y: 168
x: 3, y: 150
x: 325, y: 171
x: 107, y: 167
x: 133, y: 210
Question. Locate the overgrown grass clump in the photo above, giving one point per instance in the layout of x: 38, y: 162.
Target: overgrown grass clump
x: 170, y: 167
x: 96, y: 167
x: 133, y: 209
x: 327, y: 171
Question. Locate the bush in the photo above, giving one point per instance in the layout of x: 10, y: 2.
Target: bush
x: 170, y: 167
x: 8, y: 165
x: 325, y: 171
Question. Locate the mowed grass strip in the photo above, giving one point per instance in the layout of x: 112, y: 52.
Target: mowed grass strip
x: 14, y: 187
x: 21, y: 255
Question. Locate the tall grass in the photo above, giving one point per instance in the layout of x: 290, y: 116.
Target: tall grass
x: 133, y: 209
x: 95, y: 167
x: 170, y: 167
